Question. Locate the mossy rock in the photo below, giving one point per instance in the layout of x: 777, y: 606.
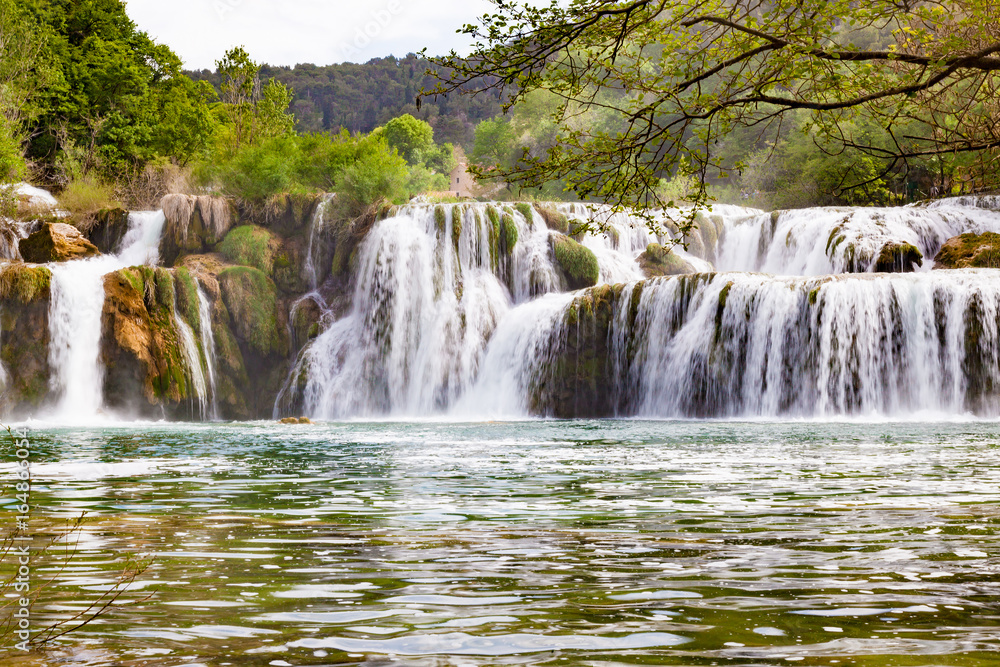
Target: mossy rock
x: 508, y: 234
x: 109, y: 228
x: 188, y: 303
x: 251, y: 299
x: 56, y: 242
x: 578, y: 263
x: 554, y: 220
x: 898, y: 258
x: 249, y: 245
x: 25, y: 283
x: 140, y: 347
x: 981, y: 251
x: 525, y: 210
x: 657, y: 261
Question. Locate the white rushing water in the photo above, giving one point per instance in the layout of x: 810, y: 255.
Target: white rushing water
x: 820, y: 241
x: 208, y: 346
x: 446, y: 323
x: 77, y: 376
x: 189, y: 348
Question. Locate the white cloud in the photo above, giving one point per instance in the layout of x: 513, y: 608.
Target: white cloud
x: 305, y: 31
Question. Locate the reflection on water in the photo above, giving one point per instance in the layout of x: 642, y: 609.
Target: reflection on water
x: 598, y: 543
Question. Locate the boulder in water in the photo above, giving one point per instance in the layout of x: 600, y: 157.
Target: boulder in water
x: 970, y: 251
x: 578, y: 263
x: 56, y: 242
x: 658, y: 261
x: 898, y: 258
x: 110, y: 226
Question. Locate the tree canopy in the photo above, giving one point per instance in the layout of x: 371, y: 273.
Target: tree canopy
x: 649, y: 89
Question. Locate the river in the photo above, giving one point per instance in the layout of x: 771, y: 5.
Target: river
x: 610, y: 542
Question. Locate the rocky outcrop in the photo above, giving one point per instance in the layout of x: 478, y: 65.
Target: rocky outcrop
x: 980, y: 251
x: 576, y: 381
x: 145, y: 371
x: 657, y: 261
x: 56, y: 242
x: 194, y: 224
x: 898, y: 258
x: 24, y: 330
x: 110, y: 226
x: 576, y: 262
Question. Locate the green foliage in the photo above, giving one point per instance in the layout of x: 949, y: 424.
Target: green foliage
x: 524, y: 209
x: 251, y: 299
x: 249, y: 245
x: 412, y: 138
x: 109, y: 91
x: 578, y: 263
x: 360, y: 97
x: 378, y: 176
x: 257, y: 172
x: 85, y: 196
x: 628, y: 96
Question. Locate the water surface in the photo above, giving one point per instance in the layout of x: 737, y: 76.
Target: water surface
x: 537, y: 542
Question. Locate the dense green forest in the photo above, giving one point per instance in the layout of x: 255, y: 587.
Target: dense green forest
x: 361, y: 97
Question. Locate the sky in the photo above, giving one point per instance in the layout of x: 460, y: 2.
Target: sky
x: 288, y: 32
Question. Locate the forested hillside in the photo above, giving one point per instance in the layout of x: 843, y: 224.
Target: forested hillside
x: 360, y: 98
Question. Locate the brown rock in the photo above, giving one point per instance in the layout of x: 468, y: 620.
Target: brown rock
x: 56, y: 242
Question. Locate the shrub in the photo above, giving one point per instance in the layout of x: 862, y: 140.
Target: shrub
x: 83, y: 197
x: 258, y: 172
x: 379, y: 176
x: 250, y: 246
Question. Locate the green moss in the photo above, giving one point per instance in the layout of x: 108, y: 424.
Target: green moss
x: 440, y: 219
x: 524, y: 209
x: 578, y: 263
x: 658, y: 261
x: 898, y: 258
x: 456, y: 225
x: 508, y: 235
x: 187, y: 298
x: 554, y: 220
x: 970, y: 251
x: 25, y: 283
x: 165, y: 288
x: 249, y: 245
x: 251, y: 298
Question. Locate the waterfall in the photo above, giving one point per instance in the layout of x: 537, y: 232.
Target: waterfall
x: 820, y: 241
x: 316, y: 228
x: 208, y: 346
x: 444, y: 321
x: 431, y: 285
x: 193, y: 361
x: 75, y: 315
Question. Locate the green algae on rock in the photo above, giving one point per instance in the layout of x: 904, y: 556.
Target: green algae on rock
x: 577, y: 262
x: 981, y: 251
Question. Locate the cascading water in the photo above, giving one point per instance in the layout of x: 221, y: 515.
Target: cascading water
x: 425, y: 302
x: 75, y: 318
x: 443, y: 321
x: 208, y: 345
x: 316, y: 228
x: 820, y: 241
x: 193, y: 361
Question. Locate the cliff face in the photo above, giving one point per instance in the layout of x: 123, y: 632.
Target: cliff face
x: 25, y: 293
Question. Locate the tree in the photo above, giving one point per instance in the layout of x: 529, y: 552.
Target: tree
x: 680, y: 76
x: 414, y: 139
x: 256, y: 113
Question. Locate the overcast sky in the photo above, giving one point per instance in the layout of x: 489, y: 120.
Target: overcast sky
x: 288, y: 32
